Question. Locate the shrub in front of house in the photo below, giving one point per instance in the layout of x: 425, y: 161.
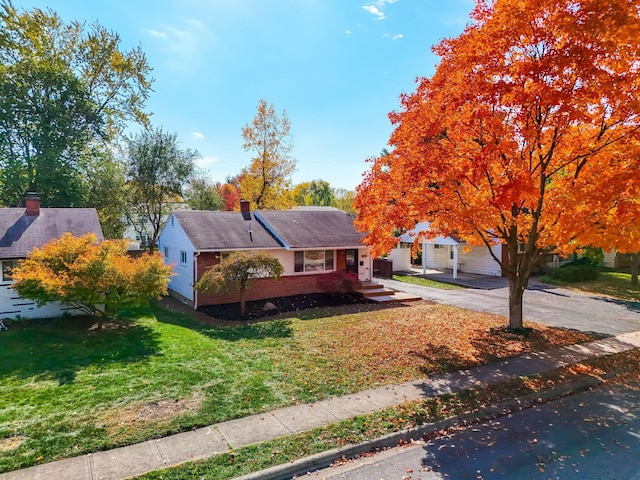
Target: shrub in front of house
x: 577, y: 271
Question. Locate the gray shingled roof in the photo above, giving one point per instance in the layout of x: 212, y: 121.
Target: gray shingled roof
x: 224, y: 230
x: 20, y: 233
x: 312, y: 228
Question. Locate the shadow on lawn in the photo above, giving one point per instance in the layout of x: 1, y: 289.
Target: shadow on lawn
x: 495, y: 345
x: 230, y: 331
x: 57, y: 349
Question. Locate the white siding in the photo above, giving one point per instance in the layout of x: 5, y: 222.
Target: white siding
x: 365, y: 265
x: 437, y: 258
x: 286, y: 258
x: 610, y: 259
x: 174, y: 238
x: 401, y: 259
x: 480, y: 261
x: 12, y: 306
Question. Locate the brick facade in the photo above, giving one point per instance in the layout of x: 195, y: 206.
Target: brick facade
x: 265, y: 288
x: 261, y: 289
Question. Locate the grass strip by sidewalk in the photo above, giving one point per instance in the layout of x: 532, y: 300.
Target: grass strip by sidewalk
x: 425, y: 282
x: 622, y: 367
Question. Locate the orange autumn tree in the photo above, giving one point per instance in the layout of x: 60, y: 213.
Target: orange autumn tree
x: 525, y: 135
x: 621, y: 229
x: 96, y: 278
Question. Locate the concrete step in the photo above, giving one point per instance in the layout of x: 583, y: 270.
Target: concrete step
x: 366, y: 286
x: 395, y: 298
x: 373, y: 292
x: 406, y: 297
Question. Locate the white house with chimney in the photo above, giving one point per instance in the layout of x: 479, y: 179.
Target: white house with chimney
x: 22, y: 229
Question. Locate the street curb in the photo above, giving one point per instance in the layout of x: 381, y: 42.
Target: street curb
x: 325, y: 459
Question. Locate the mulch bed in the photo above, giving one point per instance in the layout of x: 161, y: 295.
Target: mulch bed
x: 256, y: 309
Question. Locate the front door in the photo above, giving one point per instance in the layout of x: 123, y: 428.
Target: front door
x: 351, y: 260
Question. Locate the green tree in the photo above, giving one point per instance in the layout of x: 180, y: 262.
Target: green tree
x: 315, y: 192
x: 157, y: 171
x: 104, y: 190
x: 62, y: 86
x: 343, y: 200
x: 238, y: 271
x: 201, y: 194
x: 265, y: 183
x: 97, y: 278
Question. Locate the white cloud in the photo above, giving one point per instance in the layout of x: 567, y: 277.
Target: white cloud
x: 348, y: 33
x: 207, y: 162
x: 377, y: 6
x: 184, y: 42
x: 156, y: 33
x: 198, y: 135
x: 374, y: 10
x: 397, y: 37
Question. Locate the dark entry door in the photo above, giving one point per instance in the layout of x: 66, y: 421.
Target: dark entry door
x: 352, y: 260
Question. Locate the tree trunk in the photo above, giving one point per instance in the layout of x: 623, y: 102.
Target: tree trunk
x: 516, y: 292
x: 242, y: 302
x: 634, y: 268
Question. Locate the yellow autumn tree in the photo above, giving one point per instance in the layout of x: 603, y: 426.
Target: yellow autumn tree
x: 526, y: 135
x: 265, y: 183
x: 96, y: 278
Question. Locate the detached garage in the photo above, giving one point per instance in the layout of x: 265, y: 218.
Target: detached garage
x: 22, y: 229
x: 451, y: 253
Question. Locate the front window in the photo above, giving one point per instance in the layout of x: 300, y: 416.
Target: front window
x: 7, y: 270
x: 313, y: 261
x: 183, y: 257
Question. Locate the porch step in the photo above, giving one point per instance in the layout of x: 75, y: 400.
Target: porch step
x: 373, y: 292
x: 396, y: 297
x: 366, y: 286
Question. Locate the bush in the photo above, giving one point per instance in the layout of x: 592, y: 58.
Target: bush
x: 574, y: 272
x: 595, y: 256
x: 337, y: 282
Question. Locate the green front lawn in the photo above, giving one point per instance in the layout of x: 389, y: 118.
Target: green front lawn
x: 425, y: 282
x: 67, y: 390
x: 611, y: 284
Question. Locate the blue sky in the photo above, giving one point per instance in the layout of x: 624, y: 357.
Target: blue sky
x: 337, y: 67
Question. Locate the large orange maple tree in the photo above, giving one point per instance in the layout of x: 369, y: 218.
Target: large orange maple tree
x: 526, y: 135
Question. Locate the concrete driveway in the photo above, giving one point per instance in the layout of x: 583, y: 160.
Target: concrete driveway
x: 543, y: 303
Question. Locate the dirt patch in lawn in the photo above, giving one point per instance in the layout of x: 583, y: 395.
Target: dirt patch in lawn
x: 134, y: 416
x: 11, y: 443
x: 274, y: 306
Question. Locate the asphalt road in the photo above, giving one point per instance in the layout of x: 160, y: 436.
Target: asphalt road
x: 546, y: 304
x: 591, y: 435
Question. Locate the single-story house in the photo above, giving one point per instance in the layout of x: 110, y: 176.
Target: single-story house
x: 308, y: 242
x: 22, y: 229
x: 449, y: 253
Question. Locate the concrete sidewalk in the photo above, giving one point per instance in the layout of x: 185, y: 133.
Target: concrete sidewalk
x: 205, y: 442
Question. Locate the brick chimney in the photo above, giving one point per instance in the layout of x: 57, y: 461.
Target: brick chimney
x: 32, y: 202
x: 245, y: 209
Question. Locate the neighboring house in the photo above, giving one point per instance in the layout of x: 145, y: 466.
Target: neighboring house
x: 451, y: 253
x: 22, y: 229
x: 139, y: 230
x: 307, y: 242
